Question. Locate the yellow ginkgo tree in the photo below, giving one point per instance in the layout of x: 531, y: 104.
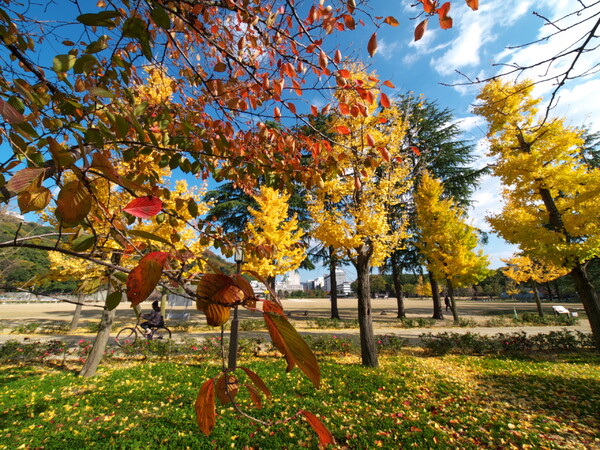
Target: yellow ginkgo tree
x: 351, y: 208
x: 274, y: 239
x: 552, y: 198
x: 446, y: 242
x: 523, y: 269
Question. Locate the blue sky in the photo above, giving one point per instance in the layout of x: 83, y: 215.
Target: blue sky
x: 476, y: 44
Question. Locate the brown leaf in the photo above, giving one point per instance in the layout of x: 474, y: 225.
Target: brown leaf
x: 24, y: 179
x: 226, y: 383
x: 74, y: 202
x: 142, y: 280
x: 205, y: 407
x: 325, y: 436
x: 254, y: 395
x: 9, y: 113
x: 420, y: 29
x: 372, y: 45
x: 35, y: 199
x: 384, y: 100
x: 259, y: 383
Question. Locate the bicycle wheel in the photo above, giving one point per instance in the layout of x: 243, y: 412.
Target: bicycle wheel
x: 160, y: 333
x: 126, y: 337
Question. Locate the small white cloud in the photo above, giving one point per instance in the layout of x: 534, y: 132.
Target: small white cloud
x: 387, y: 50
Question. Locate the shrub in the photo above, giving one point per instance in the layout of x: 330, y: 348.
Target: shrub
x: 26, y: 329
x: 535, y: 319
x: 466, y: 322
x: 390, y: 343
x: 330, y: 344
x: 252, y: 324
x: 323, y: 323
x: 509, y: 343
x: 418, y: 322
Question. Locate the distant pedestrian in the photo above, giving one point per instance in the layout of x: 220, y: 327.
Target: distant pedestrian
x: 447, y: 302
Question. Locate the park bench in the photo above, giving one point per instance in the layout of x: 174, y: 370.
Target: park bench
x: 558, y: 310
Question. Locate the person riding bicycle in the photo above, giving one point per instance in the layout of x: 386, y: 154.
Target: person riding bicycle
x: 154, y: 318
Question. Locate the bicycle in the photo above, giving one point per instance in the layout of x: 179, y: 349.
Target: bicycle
x: 127, y: 336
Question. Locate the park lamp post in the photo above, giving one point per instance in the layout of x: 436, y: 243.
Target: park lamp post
x: 238, y: 257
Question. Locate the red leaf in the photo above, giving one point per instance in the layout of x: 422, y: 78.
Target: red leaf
x: 385, y: 154
x: 314, y: 110
x: 74, y: 202
x: 325, y: 436
x: 144, y: 207
x: 344, y: 73
x: 342, y: 129
x: 372, y: 45
x: 389, y: 84
x: 420, y: 29
x: 349, y: 22
x: 142, y: 280
x: 473, y: 4
x: 391, y: 21
x: 214, y: 295
x: 205, y: 407
x: 9, y: 113
x: 385, y: 101
x: 287, y: 340
x: 276, y: 113
x: 415, y: 150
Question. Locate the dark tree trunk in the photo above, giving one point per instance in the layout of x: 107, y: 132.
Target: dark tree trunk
x: 452, y: 301
x: 368, y: 349
x: 397, y: 276
x: 538, y: 300
x: 549, y: 289
x: 589, y: 298
x: 557, y: 290
x: 435, y: 294
x: 335, y: 314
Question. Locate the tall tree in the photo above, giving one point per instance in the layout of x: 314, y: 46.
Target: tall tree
x: 447, y: 243
x: 433, y: 138
x: 351, y: 208
x: 551, y: 203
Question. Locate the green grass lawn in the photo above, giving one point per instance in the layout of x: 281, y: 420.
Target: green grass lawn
x: 410, y: 401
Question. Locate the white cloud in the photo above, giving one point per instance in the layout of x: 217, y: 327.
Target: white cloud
x: 387, y: 50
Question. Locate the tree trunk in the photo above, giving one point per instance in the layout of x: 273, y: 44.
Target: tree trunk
x: 396, y: 275
x: 452, y: 301
x: 76, y: 314
x: 368, y: 349
x: 97, y: 352
x: 335, y: 314
x: 557, y: 290
x: 538, y: 300
x: 435, y: 294
x: 589, y: 298
x: 549, y: 289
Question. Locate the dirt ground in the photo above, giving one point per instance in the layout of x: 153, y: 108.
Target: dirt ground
x: 299, y: 310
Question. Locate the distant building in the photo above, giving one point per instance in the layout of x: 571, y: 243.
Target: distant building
x: 289, y: 283
x: 342, y: 283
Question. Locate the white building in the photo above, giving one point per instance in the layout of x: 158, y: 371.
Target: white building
x: 342, y: 283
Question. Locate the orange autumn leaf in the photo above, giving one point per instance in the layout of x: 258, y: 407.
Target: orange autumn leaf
x: 144, y: 207
x: 391, y: 21
x: 325, y: 436
x: 342, y: 129
x: 473, y: 4
x: 142, y: 280
x: 205, y: 407
x: 445, y: 19
x: 385, y: 101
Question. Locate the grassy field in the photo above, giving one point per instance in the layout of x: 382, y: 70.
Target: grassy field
x: 412, y: 400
